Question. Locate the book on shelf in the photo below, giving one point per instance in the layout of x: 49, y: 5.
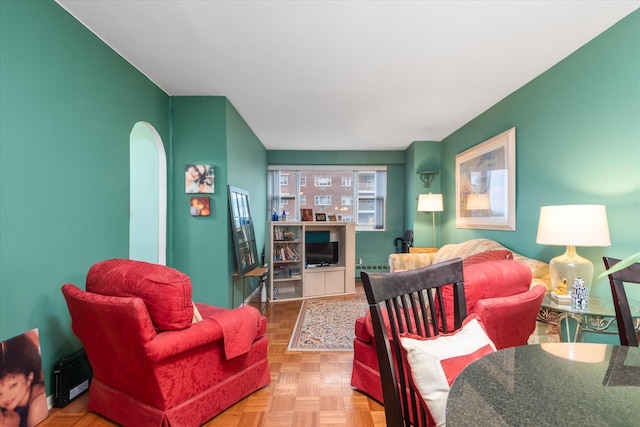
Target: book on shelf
x: 285, y: 253
x: 281, y: 233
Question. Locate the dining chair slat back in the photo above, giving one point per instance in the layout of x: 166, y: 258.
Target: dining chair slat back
x: 630, y: 274
x: 409, y: 301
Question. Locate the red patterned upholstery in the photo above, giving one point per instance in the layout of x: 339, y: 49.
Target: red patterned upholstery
x: 144, y: 375
x: 498, y: 290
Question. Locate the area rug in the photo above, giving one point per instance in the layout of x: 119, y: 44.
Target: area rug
x: 326, y: 325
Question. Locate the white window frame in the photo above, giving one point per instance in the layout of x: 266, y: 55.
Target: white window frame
x: 322, y: 181
x: 376, y: 190
x: 317, y: 200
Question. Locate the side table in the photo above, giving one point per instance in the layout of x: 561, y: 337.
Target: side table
x: 255, y: 273
x: 598, y: 317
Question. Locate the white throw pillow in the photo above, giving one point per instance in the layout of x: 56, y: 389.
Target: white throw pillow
x: 435, y: 362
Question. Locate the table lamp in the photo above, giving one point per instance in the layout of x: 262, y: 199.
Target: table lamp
x: 431, y: 203
x: 571, y: 226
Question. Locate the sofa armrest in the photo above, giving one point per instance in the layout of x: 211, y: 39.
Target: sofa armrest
x: 509, y: 321
x: 171, y: 343
x: 409, y: 261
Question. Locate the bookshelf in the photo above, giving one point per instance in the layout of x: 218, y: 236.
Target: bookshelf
x: 290, y: 278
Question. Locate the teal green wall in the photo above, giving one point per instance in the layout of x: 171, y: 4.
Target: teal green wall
x: 200, y: 244
x: 247, y: 169
x: 372, y: 246
x: 577, y: 141
x: 67, y: 106
x: 209, y: 130
x: 422, y: 156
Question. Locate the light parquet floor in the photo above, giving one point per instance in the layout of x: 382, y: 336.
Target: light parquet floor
x: 308, y: 389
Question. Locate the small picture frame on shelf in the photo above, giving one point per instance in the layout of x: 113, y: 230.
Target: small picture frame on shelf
x: 332, y: 218
x: 306, y: 214
x: 321, y: 217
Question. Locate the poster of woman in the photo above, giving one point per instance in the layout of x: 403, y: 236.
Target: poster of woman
x: 23, y: 401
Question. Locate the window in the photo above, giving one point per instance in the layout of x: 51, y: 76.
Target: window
x: 321, y: 200
x: 322, y: 181
x: 360, y: 197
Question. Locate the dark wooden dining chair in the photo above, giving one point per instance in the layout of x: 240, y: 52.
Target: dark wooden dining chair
x: 398, y: 303
x: 630, y: 274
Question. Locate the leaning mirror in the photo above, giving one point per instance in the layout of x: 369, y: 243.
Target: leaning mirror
x: 242, y: 230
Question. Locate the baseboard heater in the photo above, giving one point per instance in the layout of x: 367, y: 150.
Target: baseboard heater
x: 373, y: 268
x: 71, y: 378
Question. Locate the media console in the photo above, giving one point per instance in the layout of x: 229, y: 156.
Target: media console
x: 289, y: 275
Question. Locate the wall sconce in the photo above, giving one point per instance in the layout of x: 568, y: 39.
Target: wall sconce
x: 427, y: 177
x: 431, y: 203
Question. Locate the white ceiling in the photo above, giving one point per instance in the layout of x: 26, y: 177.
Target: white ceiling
x: 347, y: 75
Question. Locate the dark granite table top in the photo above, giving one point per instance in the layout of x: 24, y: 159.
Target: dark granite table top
x: 563, y: 384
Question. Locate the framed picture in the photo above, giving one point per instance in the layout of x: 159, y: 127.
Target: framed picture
x: 200, y: 206
x: 332, y: 218
x: 199, y: 179
x: 306, y: 214
x: 486, y: 184
x: 321, y: 217
x: 22, y: 377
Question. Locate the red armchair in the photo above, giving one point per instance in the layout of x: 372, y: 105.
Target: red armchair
x: 498, y: 291
x: 153, y: 362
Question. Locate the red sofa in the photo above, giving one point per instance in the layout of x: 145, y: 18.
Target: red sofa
x: 498, y: 291
x: 154, y: 362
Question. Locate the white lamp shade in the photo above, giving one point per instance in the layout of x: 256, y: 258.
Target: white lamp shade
x: 430, y: 203
x: 573, y: 225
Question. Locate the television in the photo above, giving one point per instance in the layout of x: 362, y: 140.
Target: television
x: 321, y: 253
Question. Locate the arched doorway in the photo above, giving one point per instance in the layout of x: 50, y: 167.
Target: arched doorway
x: 148, y: 195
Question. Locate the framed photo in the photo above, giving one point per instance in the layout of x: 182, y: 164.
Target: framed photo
x: 486, y: 184
x: 306, y: 214
x: 200, y: 206
x: 199, y: 179
x: 332, y: 218
x: 23, y: 377
x: 321, y: 217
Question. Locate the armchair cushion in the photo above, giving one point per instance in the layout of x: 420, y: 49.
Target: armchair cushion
x: 488, y: 280
x: 435, y: 362
x: 166, y: 292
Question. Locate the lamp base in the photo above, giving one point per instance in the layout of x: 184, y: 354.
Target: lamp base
x: 570, y: 266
